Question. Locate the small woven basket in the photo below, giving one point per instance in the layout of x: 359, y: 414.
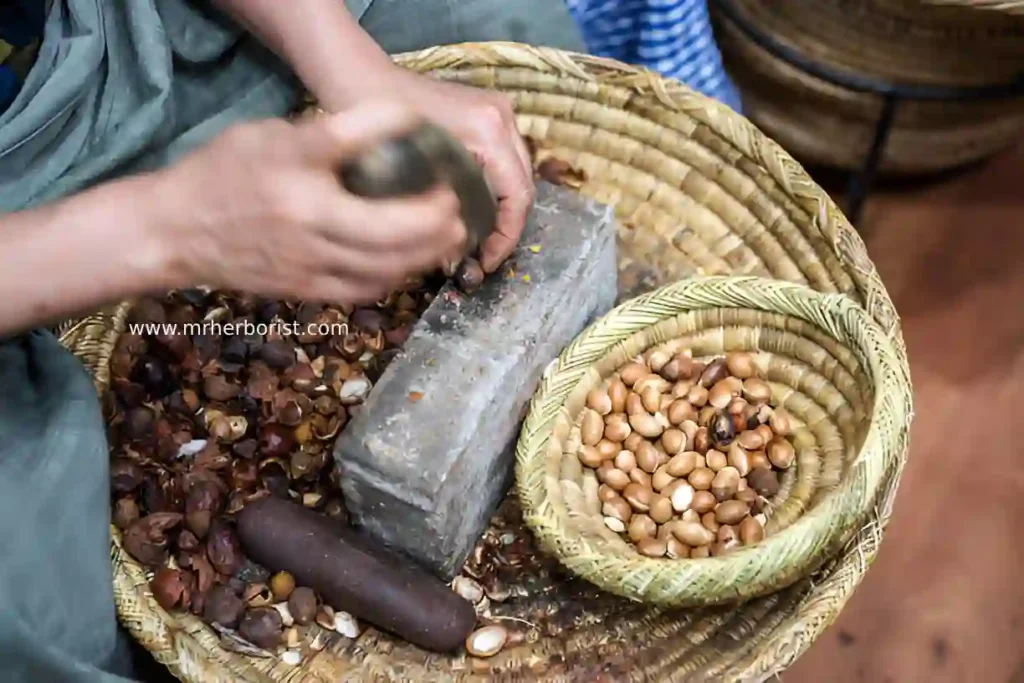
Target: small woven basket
x: 899, y: 42
x: 829, y: 366
x: 698, y: 190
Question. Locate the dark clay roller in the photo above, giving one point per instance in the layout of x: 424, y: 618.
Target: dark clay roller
x: 416, y: 162
x: 353, y: 576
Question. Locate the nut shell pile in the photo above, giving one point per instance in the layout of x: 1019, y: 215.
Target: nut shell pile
x: 201, y: 424
x: 688, y: 452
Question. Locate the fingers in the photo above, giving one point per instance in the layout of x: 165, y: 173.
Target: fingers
x: 377, y: 225
x: 333, y: 138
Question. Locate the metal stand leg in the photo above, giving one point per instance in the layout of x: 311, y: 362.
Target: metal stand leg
x: 861, y: 181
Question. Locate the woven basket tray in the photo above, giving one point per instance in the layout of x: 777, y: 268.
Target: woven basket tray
x: 891, y: 41
x: 828, y: 364
x: 698, y: 190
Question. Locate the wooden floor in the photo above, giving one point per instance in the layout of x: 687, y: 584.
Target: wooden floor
x: 945, y: 599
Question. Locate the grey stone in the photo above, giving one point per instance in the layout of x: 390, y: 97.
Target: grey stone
x: 427, y: 460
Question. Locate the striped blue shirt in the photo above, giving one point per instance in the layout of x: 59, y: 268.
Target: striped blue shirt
x: 672, y: 37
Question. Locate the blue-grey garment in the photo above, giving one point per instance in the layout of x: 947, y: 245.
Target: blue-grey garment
x: 119, y: 86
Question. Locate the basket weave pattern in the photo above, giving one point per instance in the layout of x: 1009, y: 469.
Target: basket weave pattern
x: 847, y: 392
x: 698, y: 190
x: 905, y: 42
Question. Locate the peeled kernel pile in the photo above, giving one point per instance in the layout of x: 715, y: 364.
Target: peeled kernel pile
x: 688, y: 453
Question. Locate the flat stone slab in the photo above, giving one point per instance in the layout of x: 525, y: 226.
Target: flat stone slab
x: 430, y: 455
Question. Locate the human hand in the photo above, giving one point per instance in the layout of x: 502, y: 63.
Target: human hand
x: 261, y: 209
x: 484, y: 121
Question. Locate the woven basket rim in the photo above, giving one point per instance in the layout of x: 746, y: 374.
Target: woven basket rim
x: 841, y: 316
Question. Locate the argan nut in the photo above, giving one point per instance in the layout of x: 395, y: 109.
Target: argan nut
x: 591, y: 427
x: 470, y: 275
x: 615, y: 477
x: 638, y: 497
x: 721, y: 431
x: 720, y: 395
x: 764, y: 481
x: 590, y: 456
x: 281, y: 585
x: 672, y: 370
x: 731, y: 512
x: 683, y: 464
x: 739, y: 459
x: 606, y: 493
x: 661, y: 509
x: 640, y: 527
x: 751, y: 440
x: 693, y: 534
x: 258, y: 595
x: 781, y: 453
x: 614, y: 524
x: 714, y: 372
x: 737, y: 406
x: 302, y: 605
x: 759, y: 461
x: 487, y: 641
x: 701, y: 440
x: 676, y: 549
x: 652, y: 547
x: 618, y: 392
x: 756, y: 390
x: 262, y: 627
x: 751, y: 531
x: 634, y: 442
x: 701, y: 479
x: 659, y: 384
x: 631, y: 373
x: 634, y: 404
x: 679, y: 411
x: 780, y: 422
x: 690, y: 515
x: 599, y: 402
x: 716, y: 460
x: 740, y: 364
x: 702, y: 462
x: 700, y: 552
x: 673, y: 440
x: 727, y: 534
x: 608, y: 449
x: 725, y: 483
x: 617, y: 430
x: 618, y: 509
x: 646, y: 425
x: 703, y: 501
x: 661, y: 478
x: 651, y: 399
x: 697, y: 396
x: 647, y: 457
x: 625, y: 461
x: 223, y: 607
x: 706, y: 415
x: 657, y: 358
x: 709, y: 521
x: 747, y: 495
x: 681, y: 496
x: 642, y: 478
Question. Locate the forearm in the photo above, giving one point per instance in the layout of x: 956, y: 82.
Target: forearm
x: 79, y: 254
x: 325, y: 46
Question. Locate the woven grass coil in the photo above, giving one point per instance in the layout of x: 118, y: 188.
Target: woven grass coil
x: 897, y: 42
x: 698, y: 190
x: 829, y: 366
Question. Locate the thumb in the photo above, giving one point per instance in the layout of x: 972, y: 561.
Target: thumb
x: 330, y: 139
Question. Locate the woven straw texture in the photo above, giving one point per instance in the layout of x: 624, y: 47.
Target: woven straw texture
x: 698, y: 190
x: 905, y: 42
x: 827, y: 363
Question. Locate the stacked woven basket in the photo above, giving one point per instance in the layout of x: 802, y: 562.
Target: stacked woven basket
x: 699, y: 191
x: 942, y: 43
